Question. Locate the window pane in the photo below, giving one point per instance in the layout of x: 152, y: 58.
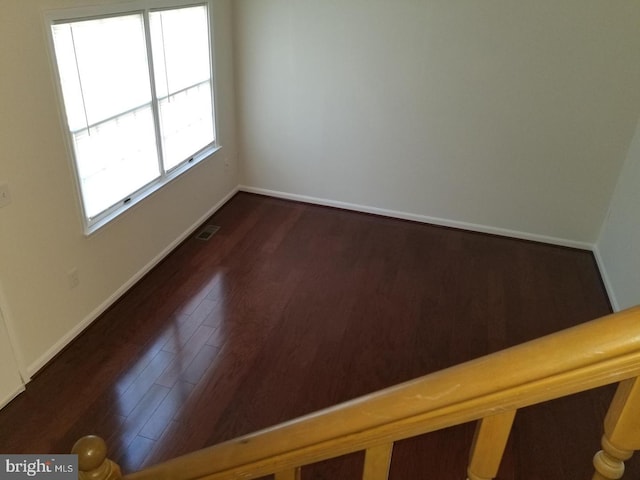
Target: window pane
x: 106, y: 88
x: 187, y: 123
x: 180, y: 40
x: 104, y: 61
x: 182, y: 68
x: 118, y: 158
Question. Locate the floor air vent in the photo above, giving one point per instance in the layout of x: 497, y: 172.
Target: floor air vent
x: 207, y: 232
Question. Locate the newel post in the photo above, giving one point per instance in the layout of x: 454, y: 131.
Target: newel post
x: 621, y: 432
x: 93, y: 463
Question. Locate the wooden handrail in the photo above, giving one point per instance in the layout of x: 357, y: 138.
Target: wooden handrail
x: 493, y: 387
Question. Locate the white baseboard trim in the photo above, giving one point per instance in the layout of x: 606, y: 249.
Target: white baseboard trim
x: 5, y: 401
x: 73, y: 333
x: 605, y: 278
x: 420, y: 218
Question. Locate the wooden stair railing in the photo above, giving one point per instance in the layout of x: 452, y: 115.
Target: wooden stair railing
x: 489, y: 389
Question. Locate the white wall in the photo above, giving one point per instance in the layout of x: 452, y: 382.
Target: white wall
x: 619, y: 243
x: 41, y: 235
x: 10, y: 381
x: 506, y: 114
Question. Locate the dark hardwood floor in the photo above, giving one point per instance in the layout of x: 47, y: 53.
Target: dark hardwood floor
x: 291, y: 308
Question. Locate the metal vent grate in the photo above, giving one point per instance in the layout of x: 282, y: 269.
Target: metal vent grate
x: 207, y: 232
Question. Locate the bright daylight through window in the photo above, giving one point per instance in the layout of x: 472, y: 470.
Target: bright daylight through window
x: 138, y: 97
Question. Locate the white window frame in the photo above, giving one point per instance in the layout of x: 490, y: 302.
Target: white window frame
x: 51, y: 17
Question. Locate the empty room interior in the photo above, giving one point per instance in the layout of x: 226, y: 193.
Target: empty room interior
x: 383, y: 190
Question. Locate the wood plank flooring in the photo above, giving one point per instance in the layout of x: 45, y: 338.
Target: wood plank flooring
x: 291, y: 308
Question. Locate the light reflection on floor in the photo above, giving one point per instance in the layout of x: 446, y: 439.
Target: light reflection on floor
x: 152, y: 391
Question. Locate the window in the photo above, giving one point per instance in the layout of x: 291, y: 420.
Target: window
x: 138, y: 98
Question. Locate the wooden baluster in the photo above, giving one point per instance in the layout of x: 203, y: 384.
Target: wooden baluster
x: 488, y: 445
x: 377, y: 461
x: 293, y: 474
x: 93, y: 463
x: 621, y: 432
